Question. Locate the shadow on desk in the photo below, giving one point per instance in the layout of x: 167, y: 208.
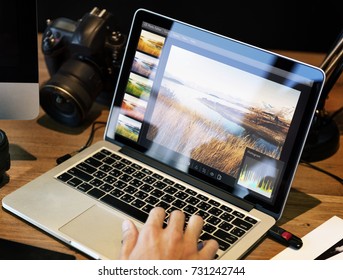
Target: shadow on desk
x: 18, y: 153
x: 297, y: 204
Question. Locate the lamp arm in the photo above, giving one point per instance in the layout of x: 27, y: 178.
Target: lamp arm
x: 333, y: 67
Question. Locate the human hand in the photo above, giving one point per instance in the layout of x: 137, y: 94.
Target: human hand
x: 170, y: 243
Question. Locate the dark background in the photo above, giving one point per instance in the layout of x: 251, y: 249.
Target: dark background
x: 301, y: 25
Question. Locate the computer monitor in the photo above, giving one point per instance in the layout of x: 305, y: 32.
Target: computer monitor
x: 19, y: 87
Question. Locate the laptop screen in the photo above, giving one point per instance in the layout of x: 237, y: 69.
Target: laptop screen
x: 231, y: 114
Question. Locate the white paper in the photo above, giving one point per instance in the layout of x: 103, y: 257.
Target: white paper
x: 324, y: 242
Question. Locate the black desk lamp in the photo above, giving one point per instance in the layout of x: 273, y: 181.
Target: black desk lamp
x: 323, y: 139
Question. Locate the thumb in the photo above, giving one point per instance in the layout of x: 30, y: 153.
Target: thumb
x: 129, y: 239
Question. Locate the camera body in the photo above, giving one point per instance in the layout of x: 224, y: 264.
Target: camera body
x: 83, y: 59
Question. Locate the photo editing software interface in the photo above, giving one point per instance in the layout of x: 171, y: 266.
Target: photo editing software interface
x: 187, y: 104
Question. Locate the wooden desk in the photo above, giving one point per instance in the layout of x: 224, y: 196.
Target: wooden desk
x: 36, y: 144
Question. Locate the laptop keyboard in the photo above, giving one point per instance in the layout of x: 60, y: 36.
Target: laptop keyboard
x: 135, y: 190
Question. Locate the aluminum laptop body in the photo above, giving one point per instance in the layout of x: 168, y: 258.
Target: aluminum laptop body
x: 222, y: 122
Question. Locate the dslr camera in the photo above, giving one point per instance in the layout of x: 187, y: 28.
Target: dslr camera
x: 83, y: 59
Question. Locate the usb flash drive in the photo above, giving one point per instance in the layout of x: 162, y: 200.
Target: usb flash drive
x: 285, y: 237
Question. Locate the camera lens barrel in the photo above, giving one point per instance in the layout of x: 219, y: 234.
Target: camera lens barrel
x: 5, y: 161
x: 69, y: 94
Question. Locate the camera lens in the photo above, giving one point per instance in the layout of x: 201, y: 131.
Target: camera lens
x: 69, y: 94
x: 66, y: 106
x: 4, y: 155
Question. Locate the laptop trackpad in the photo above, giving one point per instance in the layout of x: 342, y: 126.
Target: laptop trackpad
x: 97, y: 229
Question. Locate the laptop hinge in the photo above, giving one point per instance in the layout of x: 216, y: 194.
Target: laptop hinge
x: 211, y: 189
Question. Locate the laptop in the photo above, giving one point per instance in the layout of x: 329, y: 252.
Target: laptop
x: 198, y: 122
